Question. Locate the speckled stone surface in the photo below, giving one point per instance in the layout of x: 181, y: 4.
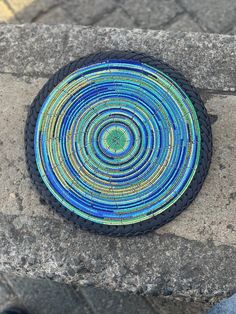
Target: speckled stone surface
x: 207, y: 59
x: 193, y: 256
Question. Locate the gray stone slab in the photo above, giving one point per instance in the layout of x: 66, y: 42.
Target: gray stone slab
x: 6, y: 293
x: 151, y: 14
x: 44, y: 297
x: 88, y: 12
x: 208, y: 60
x: 104, y: 301
x: 215, y: 15
x: 154, y: 264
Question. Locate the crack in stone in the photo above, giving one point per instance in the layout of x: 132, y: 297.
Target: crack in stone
x: 41, y: 13
x: 19, y: 201
x: 194, y: 17
x: 97, y: 18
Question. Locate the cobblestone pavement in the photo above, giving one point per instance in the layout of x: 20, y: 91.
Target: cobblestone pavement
x: 212, y: 16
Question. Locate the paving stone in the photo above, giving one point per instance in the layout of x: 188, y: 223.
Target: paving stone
x: 117, y: 18
x: 27, y: 10
x: 6, y: 15
x: 150, y: 13
x: 184, y: 23
x: 214, y: 15
x: 44, y: 297
x: 233, y: 31
x: 55, y: 16
x: 209, y: 15
x: 88, y: 12
x: 104, y: 301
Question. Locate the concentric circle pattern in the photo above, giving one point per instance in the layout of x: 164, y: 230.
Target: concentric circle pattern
x: 117, y: 142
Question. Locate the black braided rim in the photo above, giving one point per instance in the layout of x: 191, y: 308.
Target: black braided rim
x: 157, y: 221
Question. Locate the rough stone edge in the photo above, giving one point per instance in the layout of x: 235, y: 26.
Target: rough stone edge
x: 197, y: 279
x: 208, y: 60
